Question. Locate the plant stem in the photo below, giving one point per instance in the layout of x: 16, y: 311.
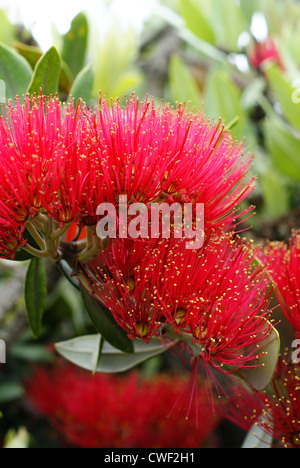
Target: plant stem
x: 36, y: 252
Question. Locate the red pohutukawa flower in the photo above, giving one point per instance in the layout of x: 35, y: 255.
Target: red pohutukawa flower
x: 213, y: 295
x: 155, y: 154
x: 283, y: 263
x: 59, y: 163
x: 103, y: 410
x: 263, y: 52
x: 277, y: 411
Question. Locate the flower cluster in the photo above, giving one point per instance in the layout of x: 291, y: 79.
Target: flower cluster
x: 283, y: 264
x: 214, y: 297
x: 118, y: 412
x: 277, y: 411
x: 59, y: 163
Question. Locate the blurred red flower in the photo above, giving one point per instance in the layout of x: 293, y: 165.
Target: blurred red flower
x: 113, y: 411
x: 262, y: 52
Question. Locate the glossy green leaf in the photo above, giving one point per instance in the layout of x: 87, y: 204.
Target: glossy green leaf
x: 105, y: 324
x: 33, y: 54
x: 286, y: 95
x: 284, y: 148
x: 257, y: 438
x: 183, y: 86
x: 46, y: 74
x: 75, y: 44
x: 14, y: 71
x: 81, y: 352
x: 196, y: 20
x: 83, y: 85
x: 35, y: 294
x: 261, y: 374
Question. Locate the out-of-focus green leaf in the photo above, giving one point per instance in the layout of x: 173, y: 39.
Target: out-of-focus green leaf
x: 82, y: 351
x: 9, y: 391
x: 75, y: 44
x: 284, y: 148
x: 35, y: 294
x: 285, y: 94
x: 46, y: 73
x: 248, y: 9
x: 17, y: 439
x: 83, y: 85
x: 223, y: 100
x: 203, y: 47
x: 31, y: 53
x: 228, y: 23
x: 7, y: 30
x: 252, y: 93
x: 113, y: 60
x: 31, y: 352
x: 183, y: 86
x: 196, y: 21
x: 275, y: 194
x: 105, y: 324
x: 14, y: 71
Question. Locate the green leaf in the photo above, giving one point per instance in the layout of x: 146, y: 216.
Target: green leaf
x: 105, y: 324
x: 223, y: 100
x: 257, y: 438
x: 17, y: 439
x: 35, y: 294
x: 46, y: 73
x: 81, y: 352
x: 285, y: 94
x: 275, y: 194
x: 196, y: 21
x: 83, y: 85
x: 75, y: 44
x: 33, y: 54
x: 31, y: 352
x: 205, y: 48
x: 182, y: 84
x: 7, y: 30
x: 14, y: 71
x: 9, y: 391
x: 228, y: 23
x: 284, y: 148
x: 115, y: 70
x: 260, y: 376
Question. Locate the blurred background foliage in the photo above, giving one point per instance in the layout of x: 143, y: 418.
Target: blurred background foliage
x: 237, y: 60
